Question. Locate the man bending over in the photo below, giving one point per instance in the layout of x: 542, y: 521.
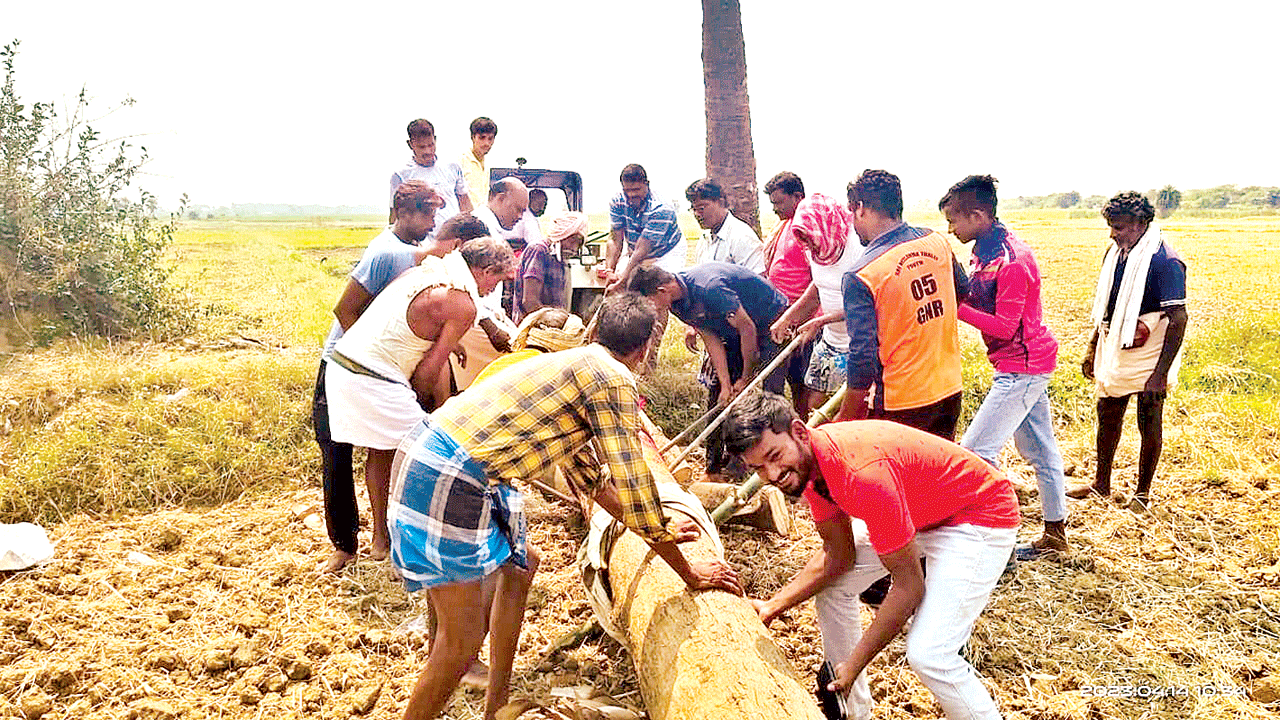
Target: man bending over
x: 456, y: 518
x: 916, y: 495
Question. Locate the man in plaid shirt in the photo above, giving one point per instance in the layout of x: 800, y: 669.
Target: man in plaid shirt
x: 455, y: 518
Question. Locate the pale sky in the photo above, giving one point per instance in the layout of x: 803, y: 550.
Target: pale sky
x: 298, y: 103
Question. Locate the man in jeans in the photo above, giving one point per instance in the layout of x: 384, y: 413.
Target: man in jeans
x: 1004, y: 303
x: 883, y: 490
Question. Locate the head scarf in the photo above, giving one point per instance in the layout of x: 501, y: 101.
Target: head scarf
x: 822, y: 224
x: 564, y: 226
x: 535, y: 331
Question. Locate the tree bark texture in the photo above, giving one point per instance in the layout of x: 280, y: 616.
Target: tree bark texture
x: 731, y: 157
x: 699, y: 656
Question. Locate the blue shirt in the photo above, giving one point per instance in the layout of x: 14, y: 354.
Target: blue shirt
x: 655, y: 221
x: 386, y: 257
x: 1166, y: 285
x: 714, y: 290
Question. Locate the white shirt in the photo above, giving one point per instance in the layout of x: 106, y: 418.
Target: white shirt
x: 527, y: 228
x: 735, y: 242
x: 829, y: 280
x: 491, y: 304
x: 444, y: 177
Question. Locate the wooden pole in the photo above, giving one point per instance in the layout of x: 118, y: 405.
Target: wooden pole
x: 699, y: 656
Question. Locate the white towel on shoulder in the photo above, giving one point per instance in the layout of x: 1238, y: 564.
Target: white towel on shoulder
x: 1124, y: 317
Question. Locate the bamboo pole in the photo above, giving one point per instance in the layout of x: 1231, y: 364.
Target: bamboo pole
x: 752, y: 485
x: 758, y: 379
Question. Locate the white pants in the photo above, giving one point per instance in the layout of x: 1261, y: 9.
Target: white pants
x: 963, y: 564
x: 840, y: 618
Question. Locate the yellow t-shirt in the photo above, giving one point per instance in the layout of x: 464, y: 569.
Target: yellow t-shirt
x: 477, y: 177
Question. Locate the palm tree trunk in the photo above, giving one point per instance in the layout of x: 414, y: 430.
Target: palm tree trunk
x: 731, y: 157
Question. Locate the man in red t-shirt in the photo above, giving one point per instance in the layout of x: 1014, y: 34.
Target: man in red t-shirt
x: 878, y: 488
x: 787, y: 267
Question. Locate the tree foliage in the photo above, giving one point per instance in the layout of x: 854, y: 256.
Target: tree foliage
x: 1167, y: 200
x: 78, y: 254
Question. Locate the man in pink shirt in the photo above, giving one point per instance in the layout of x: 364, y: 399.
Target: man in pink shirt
x: 879, y: 489
x: 1004, y: 303
x: 787, y: 267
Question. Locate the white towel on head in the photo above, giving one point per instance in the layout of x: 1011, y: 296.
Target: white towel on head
x: 1124, y: 316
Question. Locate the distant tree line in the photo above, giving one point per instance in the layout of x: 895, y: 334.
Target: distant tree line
x: 245, y: 210
x: 1166, y: 199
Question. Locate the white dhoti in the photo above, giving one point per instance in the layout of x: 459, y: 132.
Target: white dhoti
x: 1134, y: 365
x: 368, y: 412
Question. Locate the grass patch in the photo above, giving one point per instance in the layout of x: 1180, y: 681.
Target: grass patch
x: 144, y: 429
x: 273, y: 283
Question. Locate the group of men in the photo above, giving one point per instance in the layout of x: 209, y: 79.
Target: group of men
x: 404, y: 376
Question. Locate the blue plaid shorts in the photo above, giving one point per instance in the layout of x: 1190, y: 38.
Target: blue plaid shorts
x: 447, y: 523
x: 827, y: 367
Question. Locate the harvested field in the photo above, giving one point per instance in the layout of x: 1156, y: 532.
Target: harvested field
x: 209, y: 607
x: 220, y: 615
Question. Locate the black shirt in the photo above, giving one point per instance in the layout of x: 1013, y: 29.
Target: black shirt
x: 715, y: 290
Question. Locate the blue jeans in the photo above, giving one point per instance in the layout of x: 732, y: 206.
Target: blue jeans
x: 1017, y: 406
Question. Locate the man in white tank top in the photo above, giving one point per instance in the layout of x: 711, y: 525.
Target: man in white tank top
x: 389, y: 364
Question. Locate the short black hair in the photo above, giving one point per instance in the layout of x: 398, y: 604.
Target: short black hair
x: 463, y: 226
x: 786, y: 181
x: 756, y: 412
x: 626, y: 322
x: 421, y: 128
x: 976, y: 192
x: 648, y: 278
x: 1129, y: 204
x: 633, y: 173
x: 877, y: 190
x: 704, y: 189
x: 483, y: 125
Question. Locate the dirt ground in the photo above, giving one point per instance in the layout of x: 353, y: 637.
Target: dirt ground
x: 218, y: 613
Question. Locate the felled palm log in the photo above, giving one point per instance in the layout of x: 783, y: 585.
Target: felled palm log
x: 699, y: 656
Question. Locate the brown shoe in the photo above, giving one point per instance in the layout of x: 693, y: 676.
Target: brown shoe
x: 1051, y: 543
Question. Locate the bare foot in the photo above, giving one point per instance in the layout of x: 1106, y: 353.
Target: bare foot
x: 477, y: 676
x: 335, y: 563
x: 1083, y: 491
x: 380, y: 550
x: 1139, y: 504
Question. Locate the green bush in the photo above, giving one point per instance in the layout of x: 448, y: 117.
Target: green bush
x: 77, y: 253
